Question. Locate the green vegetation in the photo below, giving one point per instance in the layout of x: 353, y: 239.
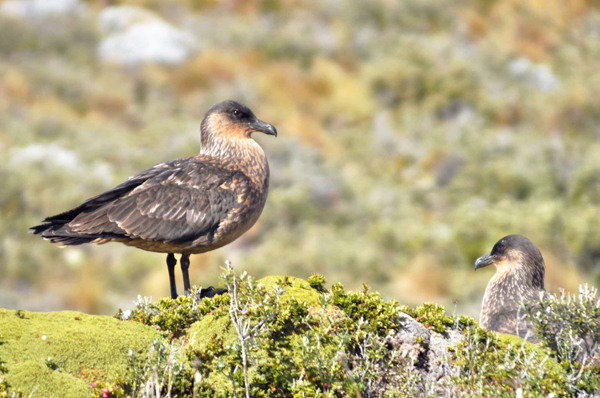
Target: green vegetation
x: 487, y: 365
x: 569, y: 324
x: 413, y: 135
x: 67, y: 351
x: 280, y: 337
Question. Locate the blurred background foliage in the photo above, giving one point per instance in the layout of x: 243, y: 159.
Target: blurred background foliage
x: 413, y: 135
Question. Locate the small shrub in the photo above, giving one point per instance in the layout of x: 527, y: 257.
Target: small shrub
x: 163, y: 373
x: 485, y: 366
x: 317, y: 282
x: 174, y: 316
x: 570, y: 326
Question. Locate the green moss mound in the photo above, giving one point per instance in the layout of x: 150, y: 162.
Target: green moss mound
x: 39, y: 380
x: 62, y: 353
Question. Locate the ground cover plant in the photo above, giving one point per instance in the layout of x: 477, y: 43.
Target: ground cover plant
x: 283, y: 336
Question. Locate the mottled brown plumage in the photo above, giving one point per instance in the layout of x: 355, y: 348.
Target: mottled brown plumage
x: 519, y: 276
x: 185, y: 206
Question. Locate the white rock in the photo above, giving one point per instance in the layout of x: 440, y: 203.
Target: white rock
x: 39, y: 8
x: 537, y: 75
x: 139, y: 36
x: 50, y: 155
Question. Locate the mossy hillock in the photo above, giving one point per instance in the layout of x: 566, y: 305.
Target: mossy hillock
x: 36, y: 379
x: 63, y: 353
x: 275, y: 337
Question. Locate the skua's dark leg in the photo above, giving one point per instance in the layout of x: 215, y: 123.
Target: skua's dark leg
x: 171, y: 263
x: 184, y: 261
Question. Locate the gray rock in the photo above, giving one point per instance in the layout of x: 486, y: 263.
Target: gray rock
x: 447, y: 169
x: 412, y: 330
x: 437, y: 365
x: 425, y: 352
x: 428, y: 348
x: 412, y: 338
